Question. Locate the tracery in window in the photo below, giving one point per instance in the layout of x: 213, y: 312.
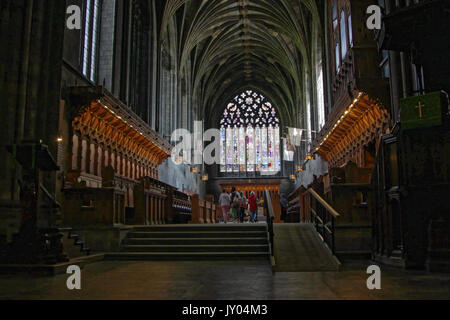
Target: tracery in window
x: 91, y: 38
x: 343, y: 35
x: 250, y: 135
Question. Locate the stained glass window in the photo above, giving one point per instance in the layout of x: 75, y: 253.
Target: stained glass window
x: 250, y: 135
x: 91, y: 38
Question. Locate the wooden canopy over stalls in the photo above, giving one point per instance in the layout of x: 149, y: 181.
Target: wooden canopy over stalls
x: 106, y: 132
x: 352, y: 129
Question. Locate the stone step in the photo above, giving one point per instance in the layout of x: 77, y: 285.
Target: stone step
x: 149, y: 256
x: 194, y: 241
x: 197, y: 234
x: 196, y: 248
x: 202, y: 228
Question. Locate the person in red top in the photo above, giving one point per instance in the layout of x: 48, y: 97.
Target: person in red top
x: 253, y: 207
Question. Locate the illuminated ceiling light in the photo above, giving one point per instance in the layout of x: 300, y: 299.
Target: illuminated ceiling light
x: 293, y: 177
x: 309, y: 156
x: 194, y: 170
x: 205, y: 177
x: 300, y: 168
x: 59, y: 139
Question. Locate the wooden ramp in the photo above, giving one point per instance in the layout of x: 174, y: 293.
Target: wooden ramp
x: 298, y: 248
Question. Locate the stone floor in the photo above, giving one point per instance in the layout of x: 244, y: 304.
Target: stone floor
x: 223, y: 280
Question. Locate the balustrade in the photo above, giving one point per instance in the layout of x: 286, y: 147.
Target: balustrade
x: 203, y: 211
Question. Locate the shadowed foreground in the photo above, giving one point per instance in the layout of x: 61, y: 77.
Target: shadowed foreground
x: 223, y: 280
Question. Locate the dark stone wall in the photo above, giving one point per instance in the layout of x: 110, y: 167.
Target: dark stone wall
x: 106, y: 54
x: 31, y: 34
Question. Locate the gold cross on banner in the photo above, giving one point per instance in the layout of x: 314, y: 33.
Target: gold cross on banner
x: 420, y: 106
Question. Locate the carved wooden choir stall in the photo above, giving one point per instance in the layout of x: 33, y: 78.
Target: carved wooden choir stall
x: 113, y: 158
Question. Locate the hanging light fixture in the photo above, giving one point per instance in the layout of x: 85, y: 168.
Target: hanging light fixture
x: 205, y: 177
x: 194, y: 170
x: 309, y: 156
x: 300, y: 168
x: 293, y: 177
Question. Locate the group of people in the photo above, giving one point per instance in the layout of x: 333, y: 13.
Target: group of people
x: 235, y: 206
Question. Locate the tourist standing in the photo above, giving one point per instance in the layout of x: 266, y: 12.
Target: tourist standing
x: 284, y: 207
x: 243, y: 207
x: 253, y: 207
x: 235, y: 204
x: 225, y: 202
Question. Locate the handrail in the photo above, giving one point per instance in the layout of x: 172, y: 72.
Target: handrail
x: 55, y: 204
x: 269, y: 205
x: 270, y: 218
x: 323, y: 219
x: 329, y: 208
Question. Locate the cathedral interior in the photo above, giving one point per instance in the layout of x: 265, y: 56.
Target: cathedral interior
x: 123, y: 121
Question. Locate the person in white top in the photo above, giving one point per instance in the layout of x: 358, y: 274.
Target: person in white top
x: 225, y: 202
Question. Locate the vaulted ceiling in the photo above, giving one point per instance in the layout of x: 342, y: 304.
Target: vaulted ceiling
x: 228, y: 45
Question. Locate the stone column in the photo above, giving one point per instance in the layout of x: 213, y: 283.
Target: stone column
x: 157, y: 212
x: 94, y: 159
x: 124, y: 166
x: 152, y: 210
x: 92, y: 156
x: 100, y: 160
x: 119, y: 164
x: 75, y: 152
x: 163, y: 212
x: 160, y: 214
x: 113, y: 160
x: 84, y: 154
x: 104, y: 159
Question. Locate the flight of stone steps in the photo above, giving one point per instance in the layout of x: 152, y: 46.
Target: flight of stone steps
x: 192, y: 242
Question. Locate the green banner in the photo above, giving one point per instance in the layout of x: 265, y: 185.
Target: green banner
x: 421, y: 111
